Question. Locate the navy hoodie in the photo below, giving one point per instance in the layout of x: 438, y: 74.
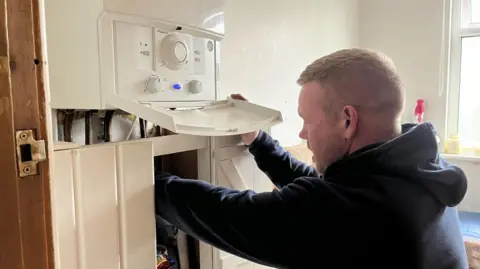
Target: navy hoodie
x: 388, y: 205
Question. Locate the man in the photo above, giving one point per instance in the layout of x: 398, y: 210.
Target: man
x: 380, y: 196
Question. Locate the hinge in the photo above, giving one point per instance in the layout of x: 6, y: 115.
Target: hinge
x: 29, y: 153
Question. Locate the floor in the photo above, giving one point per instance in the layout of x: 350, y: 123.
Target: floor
x: 470, y: 222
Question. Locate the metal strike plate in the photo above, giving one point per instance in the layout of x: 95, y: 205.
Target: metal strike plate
x: 29, y: 153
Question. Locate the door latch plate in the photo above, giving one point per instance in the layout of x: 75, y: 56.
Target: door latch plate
x: 29, y: 153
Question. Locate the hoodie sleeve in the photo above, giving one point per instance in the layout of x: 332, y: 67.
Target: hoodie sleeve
x: 244, y: 223
x: 277, y: 163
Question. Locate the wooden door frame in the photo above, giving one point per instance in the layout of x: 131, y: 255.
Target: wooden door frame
x: 26, y: 240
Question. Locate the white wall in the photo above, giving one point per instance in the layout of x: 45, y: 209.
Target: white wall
x: 268, y: 43
x: 410, y: 32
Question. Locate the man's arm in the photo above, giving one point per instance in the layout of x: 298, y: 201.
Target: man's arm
x: 247, y: 224
x: 278, y: 164
x: 275, y: 228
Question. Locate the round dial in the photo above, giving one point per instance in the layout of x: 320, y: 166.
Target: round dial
x: 195, y: 86
x: 180, y: 52
x: 153, y: 84
x: 174, y: 52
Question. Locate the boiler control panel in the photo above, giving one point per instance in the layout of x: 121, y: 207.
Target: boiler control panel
x: 153, y: 65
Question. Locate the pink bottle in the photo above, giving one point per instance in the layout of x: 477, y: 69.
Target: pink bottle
x: 419, y: 111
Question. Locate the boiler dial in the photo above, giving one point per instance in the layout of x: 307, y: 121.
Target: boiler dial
x: 153, y: 84
x: 195, y: 86
x: 174, y: 51
x: 180, y: 52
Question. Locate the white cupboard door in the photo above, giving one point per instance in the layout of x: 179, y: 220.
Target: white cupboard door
x: 103, y: 206
x: 236, y: 169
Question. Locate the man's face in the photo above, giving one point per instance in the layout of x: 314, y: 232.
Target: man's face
x: 324, y: 130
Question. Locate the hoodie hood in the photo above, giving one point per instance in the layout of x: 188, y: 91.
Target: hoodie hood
x: 413, y: 156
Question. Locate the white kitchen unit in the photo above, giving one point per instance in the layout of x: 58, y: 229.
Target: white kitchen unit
x: 158, y: 60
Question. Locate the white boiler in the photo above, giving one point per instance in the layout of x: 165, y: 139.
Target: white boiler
x: 158, y: 60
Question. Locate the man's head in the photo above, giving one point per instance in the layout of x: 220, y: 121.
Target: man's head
x: 349, y: 99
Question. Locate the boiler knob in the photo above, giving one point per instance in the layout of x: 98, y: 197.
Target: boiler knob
x: 195, y: 86
x: 180, y: 52
x: 153, y: 84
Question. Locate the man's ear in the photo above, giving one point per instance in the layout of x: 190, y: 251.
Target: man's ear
x: 350, y: 119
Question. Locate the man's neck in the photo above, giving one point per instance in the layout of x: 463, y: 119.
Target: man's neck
x: 375, y: 135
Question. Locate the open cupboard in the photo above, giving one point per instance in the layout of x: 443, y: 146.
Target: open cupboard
x: 103, y: 203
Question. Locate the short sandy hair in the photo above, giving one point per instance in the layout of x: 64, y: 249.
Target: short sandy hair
x: 358, y: 77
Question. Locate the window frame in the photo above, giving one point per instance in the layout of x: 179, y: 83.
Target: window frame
x: 455, y: 31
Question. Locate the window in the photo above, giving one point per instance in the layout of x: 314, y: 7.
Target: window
x: 464, y: 76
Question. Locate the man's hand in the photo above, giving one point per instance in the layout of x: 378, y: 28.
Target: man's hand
x: 248, y: 138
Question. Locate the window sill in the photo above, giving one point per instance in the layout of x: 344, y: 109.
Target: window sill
x: 467, y: 158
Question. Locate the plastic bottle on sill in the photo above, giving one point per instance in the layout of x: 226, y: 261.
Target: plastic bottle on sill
x: 418, y: 114
x: 453, y: 145
x: 419, y: 111
x: 476, y: 149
